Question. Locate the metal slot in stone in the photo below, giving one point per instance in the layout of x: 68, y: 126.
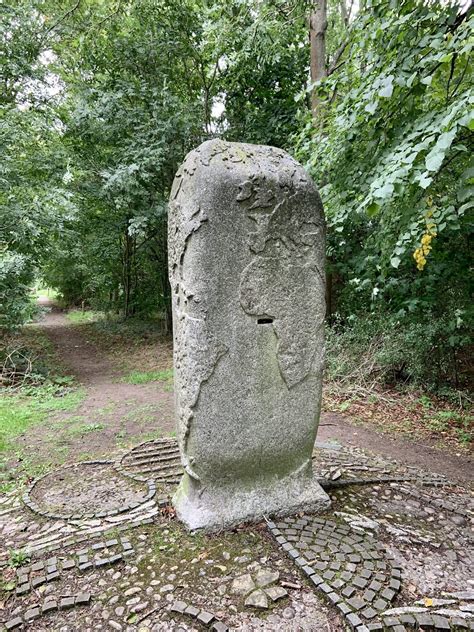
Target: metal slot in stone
x: 264, y: 321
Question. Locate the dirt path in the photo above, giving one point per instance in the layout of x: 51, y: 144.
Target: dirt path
x: 457, y: 467
x: 115, y: 414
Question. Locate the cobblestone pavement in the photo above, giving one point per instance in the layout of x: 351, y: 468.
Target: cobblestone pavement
x: 394, y: 552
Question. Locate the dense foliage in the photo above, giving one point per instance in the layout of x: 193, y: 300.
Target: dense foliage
x: 101, y: 100
x: 395, y: 163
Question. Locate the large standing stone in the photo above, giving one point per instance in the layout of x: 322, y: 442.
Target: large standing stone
x: 246, y: 260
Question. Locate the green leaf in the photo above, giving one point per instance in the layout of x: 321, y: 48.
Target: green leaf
x: 372, y: 209
x: 371, y: 107
x: 387, y: 90
x: 395, y: 262
x: 384, y: 192
x: 425, y: 181
x: 434, y: 159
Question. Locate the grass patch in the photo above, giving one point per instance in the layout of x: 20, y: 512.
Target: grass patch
x: 86, y: 428
x: 139, y: 377
x: 20, y: 411
x: 79, y: 317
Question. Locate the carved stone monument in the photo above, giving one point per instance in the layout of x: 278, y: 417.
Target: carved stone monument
x: 246, y: 264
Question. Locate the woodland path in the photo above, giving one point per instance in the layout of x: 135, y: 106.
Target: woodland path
x: 113, y: 414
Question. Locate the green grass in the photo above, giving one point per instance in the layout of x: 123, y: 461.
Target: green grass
x: 78, y: 317
x: 86, y: 428
x: 19, y: 412
x: 138, y: 377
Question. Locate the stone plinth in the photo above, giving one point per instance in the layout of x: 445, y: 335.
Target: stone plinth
x: 246, y: 261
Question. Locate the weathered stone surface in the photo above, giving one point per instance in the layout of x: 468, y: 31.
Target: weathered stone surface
x: 257, y: 599
x: 242, y: 585
x: 246, y: 253
x: 276, y: 592
x: 265, y: 577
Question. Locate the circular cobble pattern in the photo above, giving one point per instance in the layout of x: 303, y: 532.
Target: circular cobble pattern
x: 158, y: 459
x: 394, y: 552
x: 86, y: 490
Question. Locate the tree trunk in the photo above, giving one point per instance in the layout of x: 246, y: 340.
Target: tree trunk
x: 317, y: 38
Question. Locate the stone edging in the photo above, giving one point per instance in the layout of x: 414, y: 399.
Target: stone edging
x: 48, y: 606
x: 201, y: 616
x: 49, y: 570
x: 33, y: 506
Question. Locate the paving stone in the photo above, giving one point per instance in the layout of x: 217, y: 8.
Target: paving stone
x: 359, y: 582
x: 192, y: 611
x: 353, y: 620
x: 49, y: 606
x: 333, y: 598
x: 66, y: 603
x: 441, y: 623
x: 13, y: 623
x: 82, y: 598
x: 388, y: 594
x: 391, y: 621
x: 368, y: 595
x: 68, y: 564
x: 219, y: 627
x: 32, y: 613
x: 343, y: 607
x: 206, y: 618
x: 356, y: 603
x: 257, y: 599
x: 242, y: 585
x: 21, y: 590
x: 380, y: 604
x: 179, y: 606
x: 317, y: 579
x: 102, y: 561
x: 395, y: 584
x: 98, y: 546
x: 369, y: 613
x: 348, y: 591
x: 460, y: 623
x: 37, y: 581
x: 276, y: 592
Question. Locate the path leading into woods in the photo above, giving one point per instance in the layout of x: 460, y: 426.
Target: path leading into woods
x: 123, y: 413
x: 113, y: 413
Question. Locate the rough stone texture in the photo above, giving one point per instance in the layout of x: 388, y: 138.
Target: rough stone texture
x: 246, y: 250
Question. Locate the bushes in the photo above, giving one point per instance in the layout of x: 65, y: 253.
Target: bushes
x: 376, y: 349
x: 16, y: 278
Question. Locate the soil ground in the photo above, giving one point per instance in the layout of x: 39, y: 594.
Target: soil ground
x: 115, y: 414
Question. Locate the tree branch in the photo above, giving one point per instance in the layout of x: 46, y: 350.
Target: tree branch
x: 64, y: 17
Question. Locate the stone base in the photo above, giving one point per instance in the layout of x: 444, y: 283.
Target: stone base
x: 216, y: 508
